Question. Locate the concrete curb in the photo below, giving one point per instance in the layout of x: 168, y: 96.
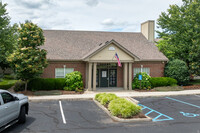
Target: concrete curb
x: 91, y: 95
x: 121, y: 119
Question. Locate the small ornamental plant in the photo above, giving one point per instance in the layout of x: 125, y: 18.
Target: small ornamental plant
x: 74, y: 81
x: 145, y: 83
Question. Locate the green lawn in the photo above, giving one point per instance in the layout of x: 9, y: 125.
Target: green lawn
x: 194, y: 82
x: 7, y: 83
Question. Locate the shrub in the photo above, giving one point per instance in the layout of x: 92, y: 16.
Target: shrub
x: 73, y: 81
x: 19, y: 86
x: 59, y: 83
x: 106, y: 99
x: 10, y: 76
x: 46, y: 84
x: 99, y: 96
x: 145, y: 84
x: 162, y: 81
x: 7, y: 84
x: 178, y: 70
x: 121, y: 107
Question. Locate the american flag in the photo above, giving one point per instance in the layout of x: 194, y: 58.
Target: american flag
x: 117, y: 57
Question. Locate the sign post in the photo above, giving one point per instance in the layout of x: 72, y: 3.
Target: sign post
x: 140, y: 79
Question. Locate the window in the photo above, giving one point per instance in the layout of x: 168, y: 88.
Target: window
x: 7, y: 97
x: 61, y: 72
x: 145, y: 69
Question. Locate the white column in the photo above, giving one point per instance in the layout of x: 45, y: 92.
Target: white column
x: 94, y: 76
x: 125, y: 76
x: 90, y: 76
x: 130, y: 76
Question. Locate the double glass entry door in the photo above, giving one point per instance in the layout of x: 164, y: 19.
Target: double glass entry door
x: 106, y: 77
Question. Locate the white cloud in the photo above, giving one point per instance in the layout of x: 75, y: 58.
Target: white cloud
x: 106, y: 15
x: 92, y: 3
x: 108, y: 22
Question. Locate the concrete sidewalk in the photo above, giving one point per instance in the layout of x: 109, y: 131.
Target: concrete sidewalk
x: 91, y: 94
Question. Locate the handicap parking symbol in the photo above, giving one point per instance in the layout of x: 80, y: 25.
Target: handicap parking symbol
x: 189, y: 114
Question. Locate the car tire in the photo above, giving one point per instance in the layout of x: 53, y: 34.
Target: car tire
x: 22, y: 115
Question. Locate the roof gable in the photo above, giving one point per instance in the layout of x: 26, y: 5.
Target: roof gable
x: 106, y: 52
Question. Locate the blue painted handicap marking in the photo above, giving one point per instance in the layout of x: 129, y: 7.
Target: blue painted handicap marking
x: 189, y: 114
x: 159, y: 117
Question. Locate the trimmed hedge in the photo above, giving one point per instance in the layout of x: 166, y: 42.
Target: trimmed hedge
x: 7, y: 84
x: 46, y: 84
x: 162, y: 81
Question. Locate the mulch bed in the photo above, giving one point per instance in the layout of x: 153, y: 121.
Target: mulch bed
x: 140, y: 115
x: 192, y: 87
x: 152, y: 90
x: 31, y: 93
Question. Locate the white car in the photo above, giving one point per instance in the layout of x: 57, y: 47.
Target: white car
x: 13, y: 108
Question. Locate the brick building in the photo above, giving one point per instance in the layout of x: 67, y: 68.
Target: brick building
x: 93, y: 54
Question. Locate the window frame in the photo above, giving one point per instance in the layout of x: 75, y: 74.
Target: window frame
x: 141, y: 69
x: 65, y: 71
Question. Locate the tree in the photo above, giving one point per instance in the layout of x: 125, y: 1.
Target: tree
x: 178, y: 70
x: 8, y: 37
x: 181, y: 33
x: 28, y: 60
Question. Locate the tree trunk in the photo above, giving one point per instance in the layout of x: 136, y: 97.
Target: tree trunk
x: 26, y: 82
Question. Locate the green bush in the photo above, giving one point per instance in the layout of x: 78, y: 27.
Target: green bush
x: 178, y: 70
x: 121, y: 107
x: 162, y: 81
x: 19, y: 86
x: 59, y: 83
x: 106, y: 99
x: 73, y: 81
x: 46, y: 84
x: 7, y: 84
x: 99, y: 96
x: 145, y: 84
x: 10, y: 76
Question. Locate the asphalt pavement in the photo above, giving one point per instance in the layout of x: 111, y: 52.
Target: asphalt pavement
x: 174, y: 114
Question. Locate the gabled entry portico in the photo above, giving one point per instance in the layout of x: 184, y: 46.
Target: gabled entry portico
x: 102, y: 69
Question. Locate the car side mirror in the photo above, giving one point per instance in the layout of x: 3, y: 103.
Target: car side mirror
x: 16, y: 98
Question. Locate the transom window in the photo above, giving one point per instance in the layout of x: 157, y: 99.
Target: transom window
x: 61, y: 72
x: 145, y: 69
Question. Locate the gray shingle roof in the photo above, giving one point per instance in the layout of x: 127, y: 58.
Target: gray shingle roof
x: 74, y: 45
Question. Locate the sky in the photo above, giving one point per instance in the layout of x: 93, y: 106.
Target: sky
x: 90, y: 15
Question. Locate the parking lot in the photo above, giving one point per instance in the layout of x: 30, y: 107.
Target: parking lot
x: 178, y: 114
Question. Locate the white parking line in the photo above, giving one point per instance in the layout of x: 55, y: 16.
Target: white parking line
x: 61, y: 110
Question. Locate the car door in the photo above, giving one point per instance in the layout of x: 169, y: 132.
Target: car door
x: 2, y: 112
x: 11, y: 107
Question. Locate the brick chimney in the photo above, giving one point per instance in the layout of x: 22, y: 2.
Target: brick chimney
x: 148, y: 30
